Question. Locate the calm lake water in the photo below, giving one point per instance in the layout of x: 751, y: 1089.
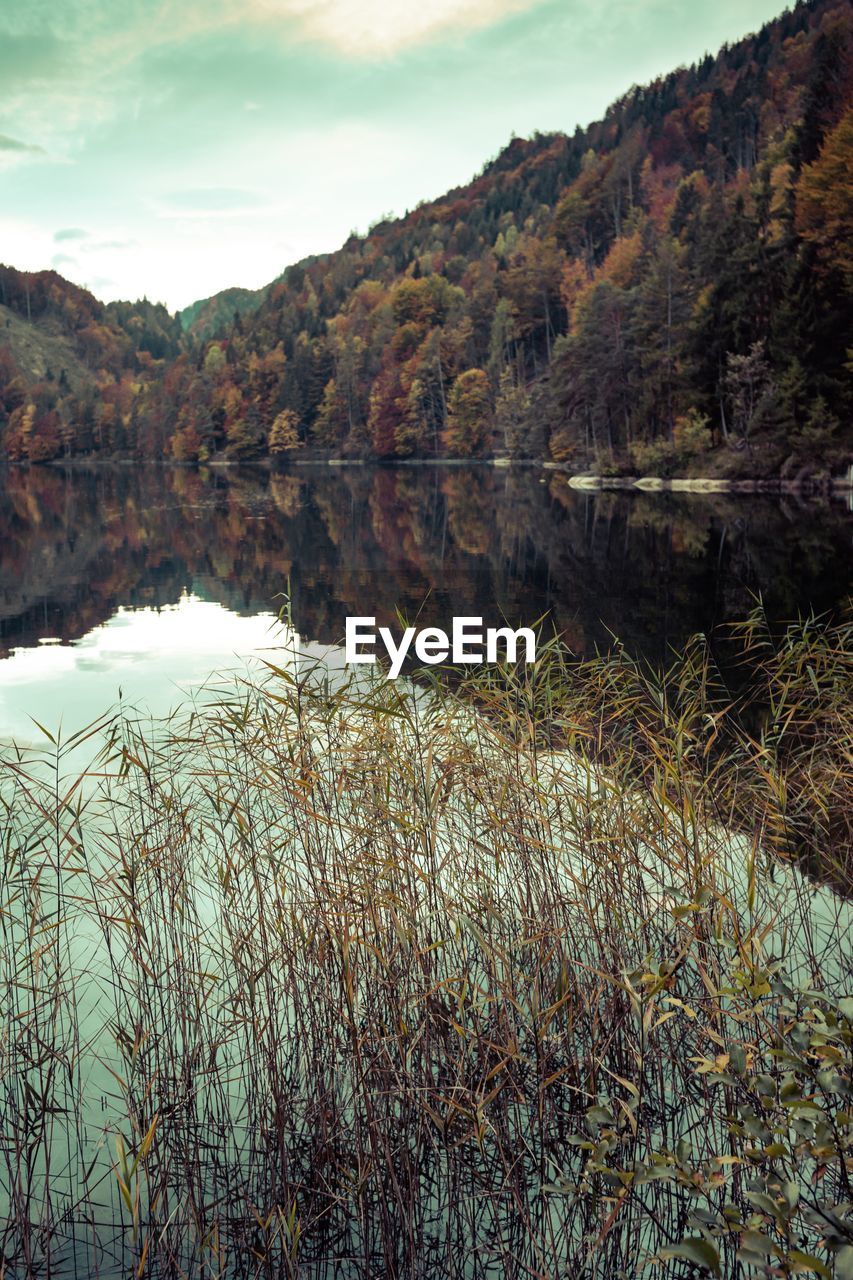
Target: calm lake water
x: 177, y: 984
x: 141, y: 582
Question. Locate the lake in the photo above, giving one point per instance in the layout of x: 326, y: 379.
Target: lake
x: 140, y: 582
x: 286, y: 981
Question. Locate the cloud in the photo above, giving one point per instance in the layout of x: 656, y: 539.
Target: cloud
x: 12, y: 144
x: 70, y: 72
x: 28, y: 56
x: 63, y: 260
x: 70, y: 233
x: 13, y: 152
x: 377, y: 28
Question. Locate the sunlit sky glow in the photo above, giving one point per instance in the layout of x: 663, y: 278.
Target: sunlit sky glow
x: 170, y: 148
x: 151, y: 660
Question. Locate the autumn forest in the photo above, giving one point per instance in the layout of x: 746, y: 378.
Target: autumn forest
x: 665, y: 292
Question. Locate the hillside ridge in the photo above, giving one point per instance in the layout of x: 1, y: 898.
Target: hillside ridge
x: 666, y: 291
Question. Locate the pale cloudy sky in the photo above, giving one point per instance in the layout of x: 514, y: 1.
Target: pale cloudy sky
x: 171, y: 148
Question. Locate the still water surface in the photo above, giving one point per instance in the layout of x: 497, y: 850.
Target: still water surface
x: 140, y: 583
x: 153, y: 584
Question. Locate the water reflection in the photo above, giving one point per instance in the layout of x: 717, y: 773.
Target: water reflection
x: 77, y: 547
x: 377, y: 984
x: 246, y: 959
x: 148, y: 657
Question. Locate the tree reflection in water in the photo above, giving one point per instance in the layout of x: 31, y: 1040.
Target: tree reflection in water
x: 432, y: 541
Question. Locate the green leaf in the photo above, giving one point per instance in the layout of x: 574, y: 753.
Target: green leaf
x: 562, y: 1188
x: 791, y: 1194
x: 766, y: 1204
x: 46, y: 732
x: 845, y: 1008
x: 755, y: 1247
x: 801, y: 1263
x: 697, y: 1250
x: 600, y: 1115
x: 844, y: 1259
x: 737, y: 1059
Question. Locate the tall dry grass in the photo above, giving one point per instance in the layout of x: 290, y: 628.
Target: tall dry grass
x: 521, y: 977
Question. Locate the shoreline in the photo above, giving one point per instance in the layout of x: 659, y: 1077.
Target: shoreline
x: 704, y: 484
x: 836, y: 485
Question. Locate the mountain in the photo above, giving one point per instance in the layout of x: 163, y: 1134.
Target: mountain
x: 666, y: 291
x: 72, y: 369
x: 209, y: 316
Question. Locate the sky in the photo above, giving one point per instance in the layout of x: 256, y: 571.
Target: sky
x: 172, y: 148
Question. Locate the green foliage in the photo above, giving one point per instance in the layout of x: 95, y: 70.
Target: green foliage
x: 818, y: 437
x: 692, y: 435
x: 749, y: 388
x: 654, y: 458
x: 691, y: 440
x: 244, y: 439
x: 511, y: 415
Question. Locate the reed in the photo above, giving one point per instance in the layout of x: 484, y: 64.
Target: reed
x: 538, y: 973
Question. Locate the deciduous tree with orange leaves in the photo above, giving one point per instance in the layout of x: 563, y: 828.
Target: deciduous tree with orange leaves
x: 469, y: 420
x: 825, y: 201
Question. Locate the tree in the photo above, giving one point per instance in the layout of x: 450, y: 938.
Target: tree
x: 511, y: 409
x: 214, y: 360
x: 284, y: 433
x: 387, y: 410
x: 748, y: 384
x: 825, y: 201
x: 591, y: 370
x: 331, y: 421
x: 816, y: 441
x: 245, y: 438
x: 469, y: 421
x: 501, y: 338
x: 657, y: 337
x: 612, y: 273
x: 186, y: 445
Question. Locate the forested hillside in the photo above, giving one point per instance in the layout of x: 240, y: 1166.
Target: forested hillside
x: 210, y: 316
x: 75, y: 374
x: 668, y: 290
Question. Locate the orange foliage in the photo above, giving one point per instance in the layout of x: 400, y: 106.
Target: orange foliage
x: 620, y: 266
x: 659, y: 186
x: 825, y: 200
